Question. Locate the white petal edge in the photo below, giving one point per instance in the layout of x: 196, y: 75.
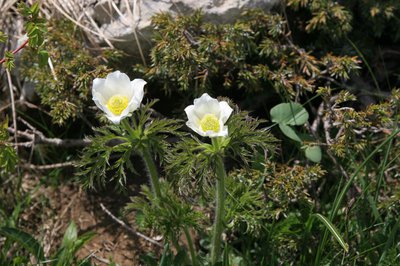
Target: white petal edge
x: 116, y: 119
x: 206, y: 105
x: 226, y: 111
x: 196, y: 128
x: 138, y: 89
x: 191, y: 114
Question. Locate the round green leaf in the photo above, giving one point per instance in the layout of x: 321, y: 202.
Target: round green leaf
x: 289, y: 114
x: 289, y: 132
x: 313, y: 153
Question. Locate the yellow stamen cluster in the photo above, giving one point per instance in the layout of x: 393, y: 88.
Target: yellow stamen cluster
x: 117, y: 103
x: 210, y: 122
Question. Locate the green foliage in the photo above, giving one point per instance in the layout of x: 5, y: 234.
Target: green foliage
x: 168, y: 257
x: 247, y: 138
x: 8, y: 155
x: 70, y: 245
x: 9, y: 60
x: 35, y: 26
x: 328, y: 17
x: 25, y: 240
x: 302, y: 57
x: 280, y: 185
x: 352, y: 131
x: 190, y: 162
x: 111, y: 148
x: 246, y: 210
x: 289, y: 114
x: 313, y: 153
x: 335, y: 232
x: 64, y: 86
x: 256, y: 54
x: 168, y: 214
x: 3, y: 37
x: 294, y: 114
x: 66, y: 255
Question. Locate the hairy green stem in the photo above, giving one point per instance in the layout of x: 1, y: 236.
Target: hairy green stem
x: 191, y: 246
x: 153, y: 174
x: 219, y: 208
x: 148, y: 160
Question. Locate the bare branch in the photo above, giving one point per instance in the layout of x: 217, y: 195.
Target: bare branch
x: 14, y: 112
x: 49, y: 166
x: 124, y: 225
x: 38, y: 137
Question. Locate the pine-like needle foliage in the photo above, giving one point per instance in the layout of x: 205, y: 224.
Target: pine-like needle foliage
x: 65, y: 86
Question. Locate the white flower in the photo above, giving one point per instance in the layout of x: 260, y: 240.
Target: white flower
x: 117, y: 96
x: 207, y: 117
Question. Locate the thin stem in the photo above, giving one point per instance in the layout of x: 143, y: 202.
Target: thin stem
x: 219, y: 207
x: 153, y: 174
x: 14, y: 117
x: 191, y: 246
x: 16, y: 50
x: 148, y: 160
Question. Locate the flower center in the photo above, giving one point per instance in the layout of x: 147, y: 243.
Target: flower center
x: 117, y: 103
x: 209, y: 122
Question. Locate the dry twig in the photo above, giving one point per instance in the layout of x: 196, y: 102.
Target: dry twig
x: 124, y: 225
x: 49, y: 166
x: 37, y: 137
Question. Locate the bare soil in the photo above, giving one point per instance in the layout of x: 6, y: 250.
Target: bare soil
x: 53, y: 208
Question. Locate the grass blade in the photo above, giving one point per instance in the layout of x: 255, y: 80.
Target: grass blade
x: 25, y: 240
x: 333, y: 230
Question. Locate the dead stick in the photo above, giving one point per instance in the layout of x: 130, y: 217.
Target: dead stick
x: 39, y: 138
x: 48, y: 166
x: 127, y: 227
x: 14, y: 112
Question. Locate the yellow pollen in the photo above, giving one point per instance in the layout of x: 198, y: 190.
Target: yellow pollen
x: 117, y: 103
x: 209, y: 122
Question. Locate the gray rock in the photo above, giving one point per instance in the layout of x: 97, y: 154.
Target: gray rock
x: 128, y: 27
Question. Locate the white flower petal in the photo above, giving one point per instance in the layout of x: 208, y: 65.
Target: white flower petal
x: 206, y: 105
x: 119, y: 82
x: 226, y: 111
x: 114, y: 119
x: 191, y: 114
x: 138, y: 91
x: 99, y: 86
x: 196, y: 128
